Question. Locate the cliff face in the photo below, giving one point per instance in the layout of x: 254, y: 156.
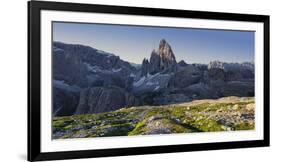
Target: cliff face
x: 102, y: 99
x: 167, y: 57
x: 78, y: 69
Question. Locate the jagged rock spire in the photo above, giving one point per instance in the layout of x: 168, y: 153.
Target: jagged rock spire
x: 166, y: 55
x: 145, y: 67
x: 161, y: 59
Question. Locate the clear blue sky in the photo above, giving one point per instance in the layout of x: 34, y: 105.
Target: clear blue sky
x: 133, y: 43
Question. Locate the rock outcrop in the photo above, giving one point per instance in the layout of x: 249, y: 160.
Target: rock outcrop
x: 184, y: 78
x: 145, y: 67
x: 64, y: 102
x: 216, y: 65
x: 182, y: 63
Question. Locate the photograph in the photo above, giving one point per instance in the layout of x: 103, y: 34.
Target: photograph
x: 130, y: 80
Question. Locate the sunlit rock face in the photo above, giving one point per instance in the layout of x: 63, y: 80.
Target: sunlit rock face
x: 160, y: 60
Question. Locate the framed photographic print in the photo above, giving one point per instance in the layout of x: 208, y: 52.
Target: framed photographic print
x: 116, y: 80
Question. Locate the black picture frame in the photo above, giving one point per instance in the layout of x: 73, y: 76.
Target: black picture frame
x: 34, y: 80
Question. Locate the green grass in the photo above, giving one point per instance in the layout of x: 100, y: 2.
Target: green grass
x: 140, y: 120
x: 139, y: 129
x: 244, y: 126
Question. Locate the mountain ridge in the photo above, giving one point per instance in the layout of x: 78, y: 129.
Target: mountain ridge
x: 158, y: 81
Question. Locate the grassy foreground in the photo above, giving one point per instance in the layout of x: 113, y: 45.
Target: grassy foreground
x: 224, y: 114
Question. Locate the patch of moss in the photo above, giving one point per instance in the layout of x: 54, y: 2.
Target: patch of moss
x: 174, y: 127
x: 61, y: 123
x: 205, y: 124
x: 199, y: 107
x: 164, y: 112
x: 139, y: 129
x: 178, y: 111
x: 69, y: 126
x: 115, y: 130
x: 244, y: 126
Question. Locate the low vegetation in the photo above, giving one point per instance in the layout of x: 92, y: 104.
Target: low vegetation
x: 225, y: 114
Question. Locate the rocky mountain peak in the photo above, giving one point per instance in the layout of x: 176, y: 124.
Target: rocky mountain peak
x: 231, y: 66
x: 216, y: 65
x: 161, y: 59
x: 166, y: 53
x: 163, y: 42
x: 182, y: 63
x: 164, y: 45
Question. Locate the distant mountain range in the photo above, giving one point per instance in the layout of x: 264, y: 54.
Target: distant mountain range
x: 88, y: 80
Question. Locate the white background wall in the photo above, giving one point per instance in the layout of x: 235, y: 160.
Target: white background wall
x: 13, y: 81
